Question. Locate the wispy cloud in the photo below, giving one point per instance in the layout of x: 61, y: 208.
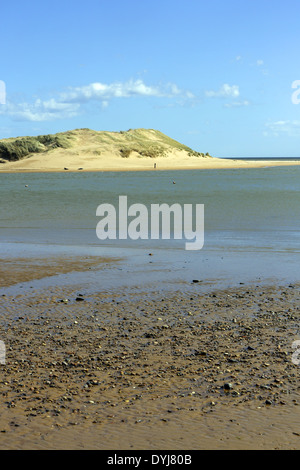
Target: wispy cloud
x: 103, y: 91
x: 237, y: 104
x: 39, y: 110
x: 276, y: 128
x: 225, y: 91
x: 69, y: 102
x: 230, y: 93
x: 261, y: 65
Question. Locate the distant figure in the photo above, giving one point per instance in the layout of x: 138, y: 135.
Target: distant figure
x: 154, y: 165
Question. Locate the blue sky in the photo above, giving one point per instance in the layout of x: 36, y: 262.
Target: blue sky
x: 216, y: 76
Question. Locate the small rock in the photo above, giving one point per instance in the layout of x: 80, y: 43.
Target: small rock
x: 227, y: 386
x: 200, y: 353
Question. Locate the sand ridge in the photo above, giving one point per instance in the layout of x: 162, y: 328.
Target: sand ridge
x: 108, y: 162
x: 133, y: 150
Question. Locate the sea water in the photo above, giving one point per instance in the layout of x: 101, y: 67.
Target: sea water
x: 251, y: 228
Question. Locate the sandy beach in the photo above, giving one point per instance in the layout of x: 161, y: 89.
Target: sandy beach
x: 62, y: 161
x: 132, y: 150
x: 138, y: 370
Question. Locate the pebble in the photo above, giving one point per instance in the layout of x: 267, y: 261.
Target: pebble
x: 54, y: 367
x: 228, y: 386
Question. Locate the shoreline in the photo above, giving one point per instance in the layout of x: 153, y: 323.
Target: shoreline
x: 28, y: 266
x: 14, y: 271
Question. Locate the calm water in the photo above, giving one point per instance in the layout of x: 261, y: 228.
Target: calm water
x: 252, y: 216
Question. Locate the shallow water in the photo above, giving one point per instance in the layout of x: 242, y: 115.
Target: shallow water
x: 252, y: 221
x: 252, y: 228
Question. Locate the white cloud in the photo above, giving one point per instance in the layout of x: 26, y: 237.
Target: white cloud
x: 103, y: 91
x: 290, y: 128
x: 259, y: 63
x: 39, y: 110
x: 69, y: 103
x: 224, y: 92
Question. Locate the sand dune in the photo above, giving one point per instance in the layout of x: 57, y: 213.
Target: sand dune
x: 89, y: 150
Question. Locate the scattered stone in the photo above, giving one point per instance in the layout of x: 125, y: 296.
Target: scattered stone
x: 152, y: 350
x: 227, y: 386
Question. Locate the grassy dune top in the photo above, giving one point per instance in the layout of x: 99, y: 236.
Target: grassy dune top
x: 139, y: 142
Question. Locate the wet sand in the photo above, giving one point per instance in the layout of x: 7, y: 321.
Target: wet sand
x: 150, y: 370
x: 18, y: 270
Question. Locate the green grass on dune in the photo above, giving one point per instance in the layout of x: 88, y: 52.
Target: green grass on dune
x: 145, y: 142
x: 21, y: 147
